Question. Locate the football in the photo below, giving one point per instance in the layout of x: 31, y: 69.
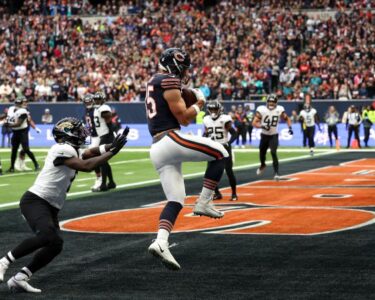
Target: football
x: 189, y: 97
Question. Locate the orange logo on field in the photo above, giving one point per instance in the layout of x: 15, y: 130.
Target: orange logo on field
x: 315, y: 202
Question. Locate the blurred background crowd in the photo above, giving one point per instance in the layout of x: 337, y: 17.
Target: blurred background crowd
x: 240, y: 49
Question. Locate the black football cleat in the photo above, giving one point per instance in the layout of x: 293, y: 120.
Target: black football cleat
x: 102, y: 188
x: 10, y: 170
x: 218, y: 196
x: 234, y: 197
x: 111, y: 185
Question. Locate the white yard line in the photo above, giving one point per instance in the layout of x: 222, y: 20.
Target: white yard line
x: 4, y: 184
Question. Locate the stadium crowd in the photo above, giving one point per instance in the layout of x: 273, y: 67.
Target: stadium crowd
x: 238, y: 48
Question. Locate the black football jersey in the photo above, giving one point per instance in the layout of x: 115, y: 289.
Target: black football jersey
x: 159, y: 116
x: 89, y: 121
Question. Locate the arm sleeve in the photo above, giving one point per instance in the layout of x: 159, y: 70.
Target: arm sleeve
x: 233, y: 135
x: 171, y: 83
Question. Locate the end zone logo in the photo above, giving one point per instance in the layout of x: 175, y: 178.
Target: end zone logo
x: 316, y: 202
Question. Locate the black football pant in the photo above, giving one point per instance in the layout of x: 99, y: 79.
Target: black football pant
x: 304, y: 136
x: 250, y: 130
x: 105, y: 168
x: 228, y: 161
x: 332, y: 129
x: 271, y: 142
x: 355, y: 129
x: 43, y: 221
x: 367, y: 135
x: 310, y: 133
x: 21, y: 137
x: 242, y: 132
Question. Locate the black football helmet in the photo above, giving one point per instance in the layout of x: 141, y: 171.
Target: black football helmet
x: 272, y: 101
x: 175, y: 61
x: 88, y: 100
x: 215, y: 109
x: 307, y: 107
x: 99, y: 98
x: 70, y: 131
x: 21, y: 101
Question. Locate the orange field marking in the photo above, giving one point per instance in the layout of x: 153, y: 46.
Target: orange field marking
x: 250, y: 220
x: 312, y: 202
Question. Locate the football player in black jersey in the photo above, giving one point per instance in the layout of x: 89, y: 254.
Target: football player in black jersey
x: 88, y: 101
x: 166, y: 112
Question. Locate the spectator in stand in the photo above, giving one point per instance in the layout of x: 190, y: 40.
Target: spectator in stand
x: 296, y: 53
x: 249, y: 119
x: 294, y: 117
x: 6, y: 131
x: 47, y: 117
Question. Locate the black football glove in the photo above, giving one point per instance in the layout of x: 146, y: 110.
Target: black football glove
x: 119, y: 142
x: 290, y: 131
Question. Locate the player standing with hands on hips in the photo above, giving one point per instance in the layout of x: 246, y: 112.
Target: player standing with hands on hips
x: 267, y: 117
x: 41, y: 204
x: 166, y: 112
x: 217, y: 124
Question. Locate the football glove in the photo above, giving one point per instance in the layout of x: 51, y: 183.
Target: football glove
x: 199, y: 94
x: 119, y: 141
x: 38, y: 130
x: 290, y: 130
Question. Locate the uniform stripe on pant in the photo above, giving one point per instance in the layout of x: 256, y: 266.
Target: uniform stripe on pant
x: 195, y: 146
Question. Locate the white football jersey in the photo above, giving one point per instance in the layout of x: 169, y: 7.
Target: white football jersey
x: 354, y: 118
x: 14, y: 113
x: 101, y: 126
x: 308, y: 117
x: 55, y: 179
x: 270, y: 118
x: 216, y: 128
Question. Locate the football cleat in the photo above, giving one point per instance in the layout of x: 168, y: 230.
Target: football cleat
x: 111, y: 185
x: 10, y: 170
x: 160, y: 249
x: 261, y: 169
x: 234, y: 197
x: 21, y: 286
x: 102, y: 188
x: 218, y: 196
x: 311, y: 152
x: 204, y: 208
x: 98, y: 183
x: 276, y: 177
x: 37, y: 167
x: 18, y: 165
x: 3, y: 269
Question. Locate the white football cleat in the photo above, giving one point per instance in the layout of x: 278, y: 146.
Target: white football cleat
x: 23, y: 166
x: 21, y: 286
x: 204, y: 208
x: 17, y: 165
x: 3, y: 269
x: 160, y: 249
x: 261, y: 169
x: 277, y: 177
x: 97, y: 184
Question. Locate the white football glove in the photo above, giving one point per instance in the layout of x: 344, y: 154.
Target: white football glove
x: 38, y: 130
x: 199, y: 94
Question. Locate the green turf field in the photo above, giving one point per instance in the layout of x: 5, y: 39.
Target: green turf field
x: 131, y: 169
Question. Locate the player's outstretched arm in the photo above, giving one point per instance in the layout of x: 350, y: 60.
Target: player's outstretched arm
x: 106, y: 152
x: 177, y: 106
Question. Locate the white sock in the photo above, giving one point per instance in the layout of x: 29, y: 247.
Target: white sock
x: 25, y: 274
x: 163, y: 235
x: 206, y: 194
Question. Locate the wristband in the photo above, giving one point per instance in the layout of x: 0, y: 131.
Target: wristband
x: 196, y: 107
x: 102, y: 149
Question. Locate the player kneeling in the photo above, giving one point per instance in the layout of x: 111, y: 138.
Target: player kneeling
x: 41, y: 204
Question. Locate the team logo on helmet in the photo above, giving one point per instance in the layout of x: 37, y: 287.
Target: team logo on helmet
x: 179, y: 56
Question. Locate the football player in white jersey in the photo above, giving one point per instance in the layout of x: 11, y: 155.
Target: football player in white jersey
x: 41, y: 204
x: 267, y: 117
x: 217, y: 125
x: 309, y: 117
x: 103, y: 127
x: 18, y: 120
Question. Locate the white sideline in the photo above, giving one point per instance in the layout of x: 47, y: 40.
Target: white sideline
x: 191, y: 175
